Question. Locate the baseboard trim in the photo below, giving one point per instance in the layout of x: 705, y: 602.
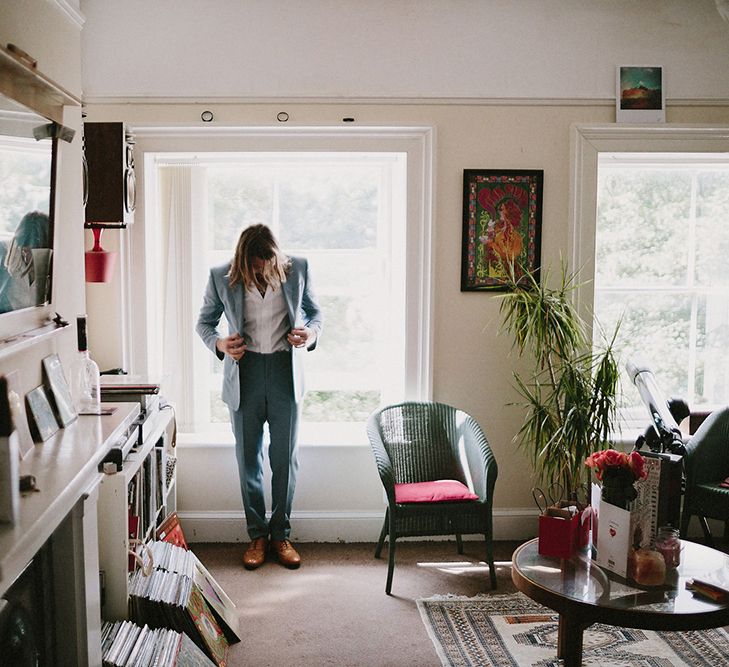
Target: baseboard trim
x: 352, y: 526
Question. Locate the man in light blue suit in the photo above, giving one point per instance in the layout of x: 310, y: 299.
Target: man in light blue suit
x: 273, y: 317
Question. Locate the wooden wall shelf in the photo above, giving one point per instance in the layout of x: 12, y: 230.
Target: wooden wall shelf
x: 26, y: 339
x: 32, y: 89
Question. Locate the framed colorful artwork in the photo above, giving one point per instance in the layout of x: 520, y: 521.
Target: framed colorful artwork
x: 640, y: 95
x: 502, y: 220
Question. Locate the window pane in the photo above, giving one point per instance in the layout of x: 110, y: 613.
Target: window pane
x: 712, y: 228
x: 712, y: 361
x: 662, y: 243
x: 333, y: 210
x: 641, y: 220
x: 656, y: 327
x: 339, y: 406
x: 323, y: 208
x: 237, y: 198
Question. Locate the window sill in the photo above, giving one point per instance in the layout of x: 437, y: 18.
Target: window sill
x: 310, y: 435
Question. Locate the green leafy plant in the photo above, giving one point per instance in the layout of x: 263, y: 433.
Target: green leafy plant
x: 570, y: 396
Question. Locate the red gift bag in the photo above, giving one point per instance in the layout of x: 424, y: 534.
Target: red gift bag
x: 559, y: 537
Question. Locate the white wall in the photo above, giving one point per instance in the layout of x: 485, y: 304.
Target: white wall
x: 146, y: 64
x: 526, y: 49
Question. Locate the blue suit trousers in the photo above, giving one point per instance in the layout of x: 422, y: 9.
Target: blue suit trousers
x: 267, y: 396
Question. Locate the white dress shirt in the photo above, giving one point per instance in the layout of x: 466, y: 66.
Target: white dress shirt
x: 266, y: 321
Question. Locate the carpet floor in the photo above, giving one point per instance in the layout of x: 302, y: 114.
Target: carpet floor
x: 334, y: 611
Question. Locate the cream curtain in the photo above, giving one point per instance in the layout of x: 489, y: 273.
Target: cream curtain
x: 175, y: 337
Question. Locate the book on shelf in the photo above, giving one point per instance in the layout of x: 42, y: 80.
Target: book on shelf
x: 133, y: 524
x: 124, y: 643
x: 170, y: 530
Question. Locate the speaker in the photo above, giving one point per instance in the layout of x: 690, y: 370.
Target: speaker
x: 109, y: 174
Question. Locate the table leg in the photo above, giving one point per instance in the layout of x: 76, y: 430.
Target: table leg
x: 569, y: 640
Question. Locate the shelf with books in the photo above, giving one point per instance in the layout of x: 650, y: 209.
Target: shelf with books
x: 133, y: 502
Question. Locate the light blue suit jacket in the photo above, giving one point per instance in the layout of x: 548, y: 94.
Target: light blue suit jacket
x: 220, y: 299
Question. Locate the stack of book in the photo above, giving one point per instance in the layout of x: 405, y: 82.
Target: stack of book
x: 181, y: 594
x: 124, y: 644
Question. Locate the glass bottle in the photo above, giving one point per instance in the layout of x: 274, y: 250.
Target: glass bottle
x: 84, y: 374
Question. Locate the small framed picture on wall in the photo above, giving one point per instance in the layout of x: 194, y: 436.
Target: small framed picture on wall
x: 640, y: 95
x: 502, y: 219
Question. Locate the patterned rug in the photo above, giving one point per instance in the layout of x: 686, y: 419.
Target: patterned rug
x: 503, y: 630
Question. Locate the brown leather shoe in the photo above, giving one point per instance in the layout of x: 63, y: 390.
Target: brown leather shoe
x: 255, y: 554
x: 286, y: 553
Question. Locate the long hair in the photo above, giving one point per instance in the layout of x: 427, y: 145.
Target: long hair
x: 257, y: 241
x: 33, y: 231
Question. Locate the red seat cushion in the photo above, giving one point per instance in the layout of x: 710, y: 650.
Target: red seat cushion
x: 442, y: 490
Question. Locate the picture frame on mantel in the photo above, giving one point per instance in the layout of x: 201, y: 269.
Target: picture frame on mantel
x: 17, y: 410
x: 640, y: 94
x: 58, y: 391
x: 43, y: 423
x: 502, y: 220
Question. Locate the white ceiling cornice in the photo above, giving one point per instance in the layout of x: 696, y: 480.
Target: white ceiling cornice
x: 71, y: 11
x: 422, y: 101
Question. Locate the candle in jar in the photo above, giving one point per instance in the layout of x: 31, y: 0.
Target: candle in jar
x: 669, y: 544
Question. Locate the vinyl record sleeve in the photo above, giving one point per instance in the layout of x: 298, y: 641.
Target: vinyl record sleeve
x: 220, y: 604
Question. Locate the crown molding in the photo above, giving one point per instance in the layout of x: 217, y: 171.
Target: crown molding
x: 401, y: 101
x: 71, y: 12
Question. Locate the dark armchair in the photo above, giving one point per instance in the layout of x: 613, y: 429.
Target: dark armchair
x: 707, y: 465
x: 438, y: 472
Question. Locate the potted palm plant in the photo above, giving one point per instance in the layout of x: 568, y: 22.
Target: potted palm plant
x: 570, y: 396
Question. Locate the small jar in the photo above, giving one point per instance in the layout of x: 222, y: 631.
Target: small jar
x: 669, y: 544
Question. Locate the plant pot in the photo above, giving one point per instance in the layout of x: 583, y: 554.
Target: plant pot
x: 99, y: 263
x: 99, y: 266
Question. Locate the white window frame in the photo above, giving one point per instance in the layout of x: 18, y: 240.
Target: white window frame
x: 416, y: 142
x: 587, y: 142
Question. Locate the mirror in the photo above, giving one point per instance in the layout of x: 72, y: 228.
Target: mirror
x: 27, y: 161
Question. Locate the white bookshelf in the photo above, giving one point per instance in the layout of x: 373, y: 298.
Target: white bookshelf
x: 114, y: 543
x: 64, y: 513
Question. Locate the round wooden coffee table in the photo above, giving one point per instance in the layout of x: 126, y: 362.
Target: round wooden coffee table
x: 582, y: 593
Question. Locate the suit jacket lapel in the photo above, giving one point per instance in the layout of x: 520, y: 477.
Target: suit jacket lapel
x: 237, y: 301
x: 288, y: 290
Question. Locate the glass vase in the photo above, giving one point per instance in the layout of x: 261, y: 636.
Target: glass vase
x: 617, y: 487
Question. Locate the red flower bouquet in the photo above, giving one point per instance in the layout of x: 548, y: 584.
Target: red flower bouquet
x: 618, y: 472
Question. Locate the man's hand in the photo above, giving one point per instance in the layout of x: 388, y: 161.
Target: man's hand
x: 299, y: 336
x: 232, y: 345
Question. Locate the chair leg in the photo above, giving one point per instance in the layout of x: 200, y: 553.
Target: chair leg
x: 490, y: 561
x: 708, y: 539
x: 685, y: 519
x: 383, y: 534
x: 459, y: 543
x: 390, y: 555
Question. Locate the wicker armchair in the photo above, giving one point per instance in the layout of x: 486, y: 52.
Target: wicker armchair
x: 707, y: 465
x: 419, y: 446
